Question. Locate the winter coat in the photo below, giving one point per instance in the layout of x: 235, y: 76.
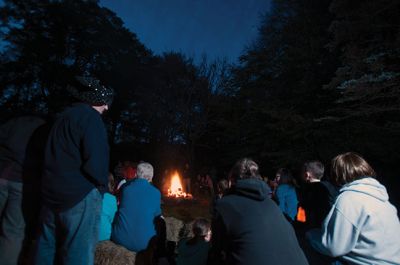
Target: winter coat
x: 250, y: 229
x: 76, y: 157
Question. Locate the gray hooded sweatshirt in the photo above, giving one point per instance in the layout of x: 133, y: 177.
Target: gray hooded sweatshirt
x: 362, y: 227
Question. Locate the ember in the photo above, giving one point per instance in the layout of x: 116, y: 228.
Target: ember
x: 175, y: 189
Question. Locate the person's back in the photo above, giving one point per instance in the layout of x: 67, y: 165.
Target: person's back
x: 316, y: 201
x: 250, y: 228
x: 194, y: 251
x: 15, y: 136
x: 317, y: 195
x: 363, y: 226
x: 21, y: 147
x: 287, y: 199
x: 108, y: 210
x: 64, y: 179
x: 133, y: 226
x: 75, y: 175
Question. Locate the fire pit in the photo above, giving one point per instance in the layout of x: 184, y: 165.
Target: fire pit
x: 175, y: 189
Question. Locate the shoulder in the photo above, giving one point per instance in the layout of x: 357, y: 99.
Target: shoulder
x: 352, y: 206
x: 285, y: 188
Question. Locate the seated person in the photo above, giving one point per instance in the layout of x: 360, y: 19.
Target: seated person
x: 222, y: 189
x: 248, y: 227
x: 318, y: 195
x: 109, y: 208
x: 285, y: 193
x: 127, y: 172
x: 363, y: 226
x: 140, y: 204
x: 194, y: 251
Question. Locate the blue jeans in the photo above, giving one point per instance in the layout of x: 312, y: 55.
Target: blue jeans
x: 70, y: 236
x: 12, y: 221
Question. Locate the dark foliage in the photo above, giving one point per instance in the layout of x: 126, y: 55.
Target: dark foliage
x: 322, y: 78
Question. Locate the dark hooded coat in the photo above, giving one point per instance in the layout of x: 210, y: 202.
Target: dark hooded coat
x: 249, y: 228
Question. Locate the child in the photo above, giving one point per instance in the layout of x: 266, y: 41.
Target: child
x: 194, y: 251
x: 286, y: 194
x: 108, y: 211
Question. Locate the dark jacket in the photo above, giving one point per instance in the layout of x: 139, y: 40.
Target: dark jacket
x: 251, y: 229
x: 20, y: 147
x: 317, y: 200
x: 76, y: 157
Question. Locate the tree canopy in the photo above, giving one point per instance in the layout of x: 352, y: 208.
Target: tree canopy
x: 321, y: 78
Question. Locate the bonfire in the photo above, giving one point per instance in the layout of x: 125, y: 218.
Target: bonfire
x: 175, y: 189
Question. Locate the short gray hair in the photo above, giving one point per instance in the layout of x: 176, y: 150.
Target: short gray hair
x: 145, y: 171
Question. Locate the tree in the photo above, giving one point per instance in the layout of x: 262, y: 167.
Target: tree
x: 279, y: 84
x: 48, y: 42
x: 367, y: 33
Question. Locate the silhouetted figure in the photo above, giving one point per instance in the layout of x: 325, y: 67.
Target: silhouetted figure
x: 75, y: 174
x: 21, y: 154
x: 317, y: 198
x: 222, y: 189
x: 194, y: 251
x: 318, y: 195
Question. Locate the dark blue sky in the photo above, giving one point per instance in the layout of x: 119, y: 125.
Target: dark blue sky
x: 218, y: 28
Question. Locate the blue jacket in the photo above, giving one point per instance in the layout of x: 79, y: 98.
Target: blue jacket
x: 287, y: 200
x: 133, y: 225
x: 76, y: 157
x: 108, y: 211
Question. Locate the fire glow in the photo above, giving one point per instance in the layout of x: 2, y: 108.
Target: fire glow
x: 175, y: 189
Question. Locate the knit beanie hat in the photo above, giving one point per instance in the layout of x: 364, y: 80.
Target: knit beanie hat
x: 89, y: 90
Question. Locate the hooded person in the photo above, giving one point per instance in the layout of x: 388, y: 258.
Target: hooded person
x: 362, y: 227
x: 74, y: 178
x: 248, y: 227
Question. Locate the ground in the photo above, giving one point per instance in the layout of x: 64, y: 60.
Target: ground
x: 187, y: 209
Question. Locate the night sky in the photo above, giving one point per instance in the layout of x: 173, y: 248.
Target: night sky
x: 218, y: 28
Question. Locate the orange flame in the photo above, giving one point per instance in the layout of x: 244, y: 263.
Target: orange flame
x: 176, y: 189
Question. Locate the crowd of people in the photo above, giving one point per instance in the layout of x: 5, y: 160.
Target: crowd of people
x: 347, y: 219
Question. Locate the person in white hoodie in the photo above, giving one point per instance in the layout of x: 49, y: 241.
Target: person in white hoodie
x: 362, y: 227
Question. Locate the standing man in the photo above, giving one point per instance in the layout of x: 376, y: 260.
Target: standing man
x: 75, y: 174
x: 20, y: 168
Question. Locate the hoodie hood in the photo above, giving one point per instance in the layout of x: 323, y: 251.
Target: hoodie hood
x: 252, y: 188
x: 369, y: 186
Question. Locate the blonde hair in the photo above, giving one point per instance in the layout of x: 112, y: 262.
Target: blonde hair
x: 349, y: 167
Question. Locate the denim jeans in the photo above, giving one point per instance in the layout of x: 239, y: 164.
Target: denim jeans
x: 70, y: 236
x: 12, y: 221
